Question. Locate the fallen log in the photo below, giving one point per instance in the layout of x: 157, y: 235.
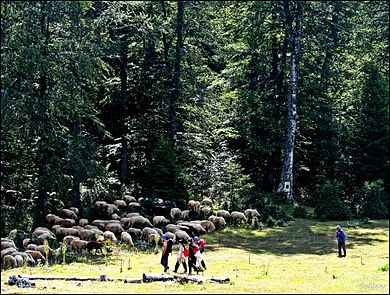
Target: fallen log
x: 154, y: 278
x: 186, y: 279
x: 68, y: 278
x: 220, y: 280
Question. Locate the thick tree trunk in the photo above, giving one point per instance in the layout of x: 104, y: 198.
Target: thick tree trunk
x: 286, y: 179
x: 176, y: 79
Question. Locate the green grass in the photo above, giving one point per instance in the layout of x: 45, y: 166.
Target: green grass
x: 298, y: 258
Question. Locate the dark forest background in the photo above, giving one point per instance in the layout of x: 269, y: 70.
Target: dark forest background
x: 180, y: 100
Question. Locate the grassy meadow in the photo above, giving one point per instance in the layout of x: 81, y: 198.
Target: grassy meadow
x: 298, y: 258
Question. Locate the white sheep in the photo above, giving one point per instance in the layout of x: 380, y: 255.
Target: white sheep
x: 126, y: 237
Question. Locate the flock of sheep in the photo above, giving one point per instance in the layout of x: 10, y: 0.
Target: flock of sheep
x: 125, y: 223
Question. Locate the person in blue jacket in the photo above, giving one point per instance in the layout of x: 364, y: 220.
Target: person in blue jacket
x: 340, y: 236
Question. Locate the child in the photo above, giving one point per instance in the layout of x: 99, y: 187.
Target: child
x: 181, y: 258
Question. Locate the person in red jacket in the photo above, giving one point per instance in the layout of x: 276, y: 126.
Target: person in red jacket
x: 200, y: 244
x: 192, y: 249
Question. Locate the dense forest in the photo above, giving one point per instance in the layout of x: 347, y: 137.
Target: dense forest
x: 251, y: 104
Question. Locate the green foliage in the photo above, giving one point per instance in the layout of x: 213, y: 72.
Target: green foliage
x: 328, y: 202
x: 372, y: 200
x: 384, y: 267
x: 299, y: 212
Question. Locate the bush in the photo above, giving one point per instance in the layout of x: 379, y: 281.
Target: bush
x: 328, y: 202
x: 276, y: 212
x: 270, y: 221
x: 299, y: 212
x: 371, y: 196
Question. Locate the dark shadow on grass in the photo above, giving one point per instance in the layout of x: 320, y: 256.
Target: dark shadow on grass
x: 296, y: 238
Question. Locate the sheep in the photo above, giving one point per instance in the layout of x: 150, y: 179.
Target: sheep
x: 83, y: 222
x: 193, y: 205
x: 9, y: 262
x: 97, y: 245
x: 101, y: 224
x: 99, y: 204
x: 42, y: 250
x: 251, y: 213
x: 147, y: 231
x: 206, y: 224
x: 51, y: 217
x: 68, y: 222
x: 196, y: 228
x: 12, y: 234
x: 78, y: 245
x: 6, y: 244
x: 67, y: 213
x: 171, y: 228
x: 111, y: 209
x: 26, y: 242
x: 45, y: 236
x: 238, y: 216
x: 19, y: 260
x: 126, y: 237
x: 207, y: 202
x: 31, y: 247
x: 109, y: 235
x: 134, y: 207
x: 115, y: 216
x: 7, y: 251
x: 160, y: 221
x: 40, y: 230
x: 139, y: 222
x: 125, y: 221
x: 219, y: 222
x: 26, y: 257
x: 135, y: 232
x: 132, y: 214
x: 75, y: 210
x: 67, y: 240
x: 36, y: 255
x: 185, y: 215
x: 171, y: 236
x: 224, y: 213
x: 59, y: 220
x: 120, y: 204
x: 78, y: 227
x: 86, y: 234
x: 206, y: 210
x: 89, y: 226
x: 182, y: 235
x: 128, y: 199
x: 62, y: 232
x: 153, y: 239
x: 115, y: 228
x: 175, y: 212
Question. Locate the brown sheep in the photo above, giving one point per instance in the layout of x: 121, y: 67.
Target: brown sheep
x: 36, y: 255
x: 126, y: 237
x: 175, y: 213
x: 41, y: 249
x: 78, y: 245
x: 83, y: 222
x: 159, y: 221
x: 9, y: 262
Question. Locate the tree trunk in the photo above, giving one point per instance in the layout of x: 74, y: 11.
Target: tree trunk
x: 286, y: 179
x: 124, y: 173
x: 45, y: 120
x: 76, y: 176
x: 176, y: 79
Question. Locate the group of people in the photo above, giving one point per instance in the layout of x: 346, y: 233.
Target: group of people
x: 191, y: 256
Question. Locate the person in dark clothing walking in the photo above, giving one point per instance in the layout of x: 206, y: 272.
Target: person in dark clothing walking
x: 167, y: 248
x: 340, y: 236
x: 191, y: 257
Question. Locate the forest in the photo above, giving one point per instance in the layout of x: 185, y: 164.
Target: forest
x: 251, y: 104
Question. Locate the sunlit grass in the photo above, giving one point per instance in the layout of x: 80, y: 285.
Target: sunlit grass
x: 298, y: 258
